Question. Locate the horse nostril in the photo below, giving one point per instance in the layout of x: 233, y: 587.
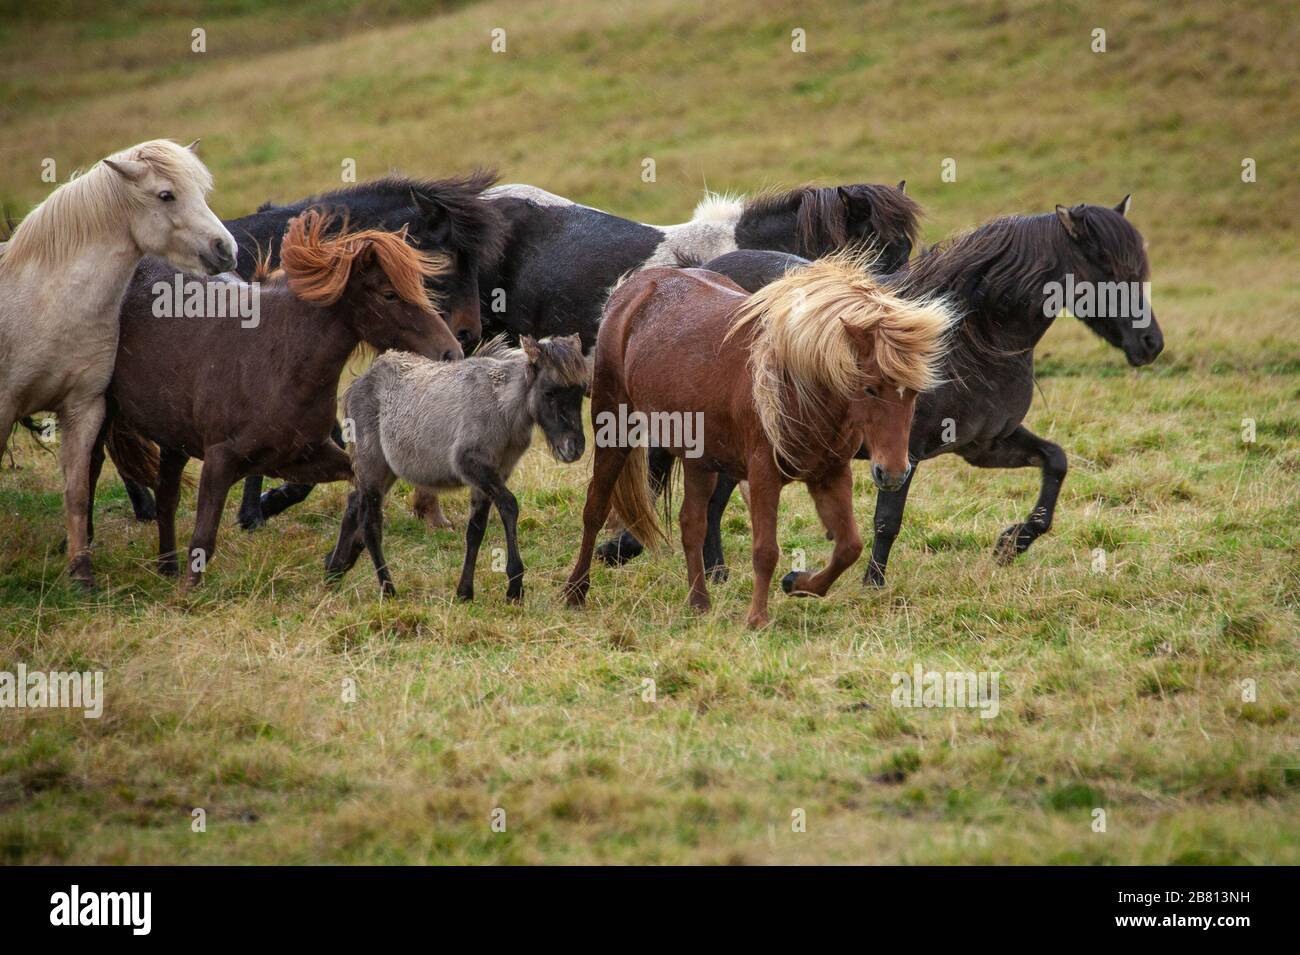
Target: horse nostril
x: 878, y: 474
x: 449, y: 355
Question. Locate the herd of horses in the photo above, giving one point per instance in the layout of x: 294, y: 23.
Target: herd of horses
x: 797, y: 325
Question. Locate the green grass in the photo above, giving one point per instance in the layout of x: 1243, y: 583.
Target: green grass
x: 1120, y: 690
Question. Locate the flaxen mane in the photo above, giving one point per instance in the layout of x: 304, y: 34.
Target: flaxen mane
x: 97, y: 201
x: 800, y: 338
x: 317, y: 266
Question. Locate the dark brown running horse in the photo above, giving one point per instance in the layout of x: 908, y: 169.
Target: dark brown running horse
x: 259, y: 397
x: 784, y: 385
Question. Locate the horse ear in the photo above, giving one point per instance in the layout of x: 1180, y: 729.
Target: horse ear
x: 191, y: 146
x: 902, y: 185
x: 434, y: 212
x: 1124, y: 203
x: 1068, y: 220
x: 846, y: 197
x: 132, y: 170
x: 531, y: 351
x: 860, y: 337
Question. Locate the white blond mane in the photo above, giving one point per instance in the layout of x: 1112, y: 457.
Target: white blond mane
x: 801, y: 339
x: 96, y: 203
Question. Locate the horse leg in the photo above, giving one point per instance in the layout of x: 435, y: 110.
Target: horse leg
x: 833, y: 497
x: 171, y: 467
x: 80, y: 424
x: 372, y: 530
x: 142, y: 502
x: 1022, y: 448
x: 96, y: 468
x: 698, y: 486
x: 764, y: 499
x: 220, y: 472
x: 619, y: 550
x: 885, y: 526
x: 480, y: 506
x: 715, y: 562
x: 425, y: 504
x: 607, y: 465
x: 350, y: 543
x: 250, y: 505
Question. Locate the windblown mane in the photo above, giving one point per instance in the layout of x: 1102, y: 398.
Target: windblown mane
x: 477, y: 227
x: 317, y: 266
x: 998, y: 272
x: 97, y: 202
x: 800, y: 338
x: 822, y: 217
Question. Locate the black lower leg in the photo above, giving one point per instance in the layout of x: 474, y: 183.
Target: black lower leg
x: 250, y: 505
x: 715, y: 562
x: 480, y: 510
x: 885, y: 526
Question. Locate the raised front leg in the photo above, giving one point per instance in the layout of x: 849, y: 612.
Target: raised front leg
x: 694, y: 520
x: 715, y: 562
x: 619, y: 550
x: 142, y: 503
x: 764, y: 500
x: 885, y: 527
x: 80, y: 424
x: 833, y: 498
x: 1020, y: 449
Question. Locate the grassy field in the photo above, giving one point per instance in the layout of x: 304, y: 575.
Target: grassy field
x: 1120, y: 690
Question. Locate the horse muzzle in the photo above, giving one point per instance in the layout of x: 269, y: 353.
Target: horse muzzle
x: 890, y: 480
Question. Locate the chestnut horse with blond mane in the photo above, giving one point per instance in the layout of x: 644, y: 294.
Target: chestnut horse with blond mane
x: 788, y: 383
x: 62, y: 278
x: 260, y: 398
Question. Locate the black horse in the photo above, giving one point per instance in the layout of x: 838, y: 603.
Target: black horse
x: 445, y: 216
x: 560, y: 259
x: 1010, y: 278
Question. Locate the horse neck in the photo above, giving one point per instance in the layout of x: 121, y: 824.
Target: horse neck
x: 515, y: 399
x: 325, y: 339
x: 771, y: 230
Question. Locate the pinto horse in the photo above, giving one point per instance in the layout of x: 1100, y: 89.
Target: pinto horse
x: 788, y: 384
x: 261, y: 399
x: 999, y: 277
x: 62, y: 278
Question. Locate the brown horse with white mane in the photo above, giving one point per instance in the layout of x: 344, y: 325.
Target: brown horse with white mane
x: 787, y: 384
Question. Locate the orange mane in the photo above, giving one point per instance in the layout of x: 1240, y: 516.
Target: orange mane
x: 318, y: 266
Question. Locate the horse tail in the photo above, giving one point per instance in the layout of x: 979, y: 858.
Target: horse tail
x: 632, y: 502
x: 135, y: 457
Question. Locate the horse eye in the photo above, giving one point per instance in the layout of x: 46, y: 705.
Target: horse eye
x: 166, y: 196
x: 388, y: 295
x: 872, y: 392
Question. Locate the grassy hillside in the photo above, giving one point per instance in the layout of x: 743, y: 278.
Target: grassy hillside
x: 1120, y: 690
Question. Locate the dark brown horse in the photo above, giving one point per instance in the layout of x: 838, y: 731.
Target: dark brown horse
x: 257, y: 395
x: 783, y: 385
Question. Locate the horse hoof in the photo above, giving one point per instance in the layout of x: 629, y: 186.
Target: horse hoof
x: 611, y: 554
x: 575, y: 595
x: 875, y: 575
x: 756, y: 621
x: 515, y: 598
x: 1012, y: 542
x: 386, y: 589
x: 718, y: 574
x: 788, y: 584
x: 145, y: 514
x: 465, y: 593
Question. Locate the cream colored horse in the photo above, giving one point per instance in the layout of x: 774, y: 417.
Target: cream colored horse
x: 62, y: 278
